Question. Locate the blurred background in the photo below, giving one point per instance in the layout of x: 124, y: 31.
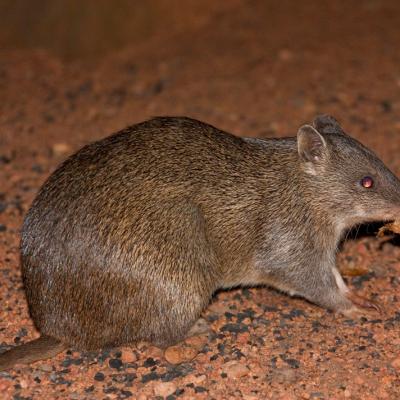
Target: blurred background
x: 73, y: 29
x: 76, y: 70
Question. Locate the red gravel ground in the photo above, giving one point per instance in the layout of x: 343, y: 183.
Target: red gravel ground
x: 253, y: 68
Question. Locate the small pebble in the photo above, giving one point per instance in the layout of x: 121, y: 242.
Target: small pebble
x: 149, y: 362
x: 198, y: 342
x: 180, y: 353
x: 5, y: 385
x: 396, y: 363
x: 285, y: 375
x: 164, y: 388
x: 99, y: 376
x: 24, y: 383
x: 219, y: 307
x: 128, y: 355
x: 198, y: 380
x: 234, y: 369
x: 115, y: 363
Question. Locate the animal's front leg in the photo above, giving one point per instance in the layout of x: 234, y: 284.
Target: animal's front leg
x: 323, y: 285
x: 361, y: 305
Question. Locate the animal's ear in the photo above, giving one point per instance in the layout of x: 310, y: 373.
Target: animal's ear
x: 326, y: 124
x: 310, y: 144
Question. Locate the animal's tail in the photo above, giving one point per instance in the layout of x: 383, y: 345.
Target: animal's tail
x: 38, y: 349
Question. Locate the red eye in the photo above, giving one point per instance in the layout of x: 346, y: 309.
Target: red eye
x: 367, y: 182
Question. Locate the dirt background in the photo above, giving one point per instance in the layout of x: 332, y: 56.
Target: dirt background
x: 72, y: 72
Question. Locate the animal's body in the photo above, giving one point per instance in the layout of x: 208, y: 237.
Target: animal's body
x: 129, y: 238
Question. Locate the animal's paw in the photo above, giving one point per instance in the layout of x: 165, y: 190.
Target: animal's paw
x: 361, y: 306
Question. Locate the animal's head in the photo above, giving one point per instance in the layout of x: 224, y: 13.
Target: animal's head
x: 346, y: 176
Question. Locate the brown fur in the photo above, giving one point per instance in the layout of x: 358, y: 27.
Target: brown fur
x: 129, y: 238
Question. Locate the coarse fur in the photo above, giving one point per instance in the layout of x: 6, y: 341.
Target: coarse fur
x: 129, y: 238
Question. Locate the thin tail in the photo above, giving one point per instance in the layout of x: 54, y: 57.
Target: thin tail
x: 38, y: 349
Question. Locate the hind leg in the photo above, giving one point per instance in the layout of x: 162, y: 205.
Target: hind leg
x: 182, y: 274
x: 177, y: 321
